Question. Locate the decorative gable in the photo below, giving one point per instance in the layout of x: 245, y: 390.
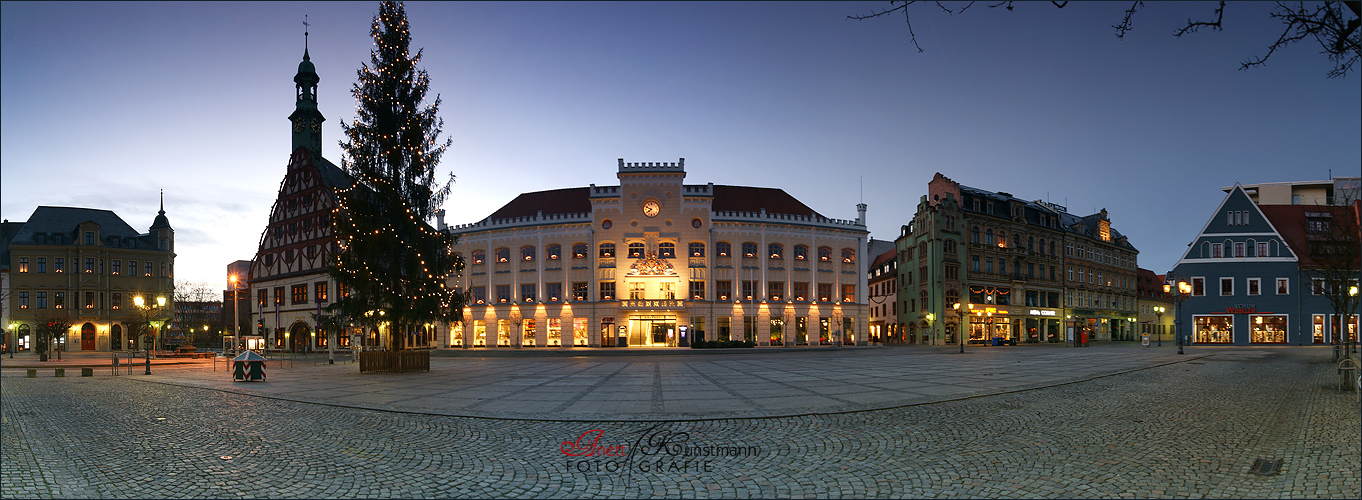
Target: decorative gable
x: 1238, y: 230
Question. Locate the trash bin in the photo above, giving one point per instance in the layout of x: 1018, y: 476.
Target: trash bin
x: 997, y: 341
x: 249, y: 367
x: 1083, y: 339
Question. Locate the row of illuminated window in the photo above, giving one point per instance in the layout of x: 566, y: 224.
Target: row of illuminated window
x: 1267, y: 328
x: 665, y: 250
x: 297, y: 294
x: 116, y: 266
x: 1233, y: 249
x: 723, y: 291
x: 1254, y: 286
x: 92, y: 300
x: 801, y: 331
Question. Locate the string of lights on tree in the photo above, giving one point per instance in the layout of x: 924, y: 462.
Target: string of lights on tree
x: 390, y: 258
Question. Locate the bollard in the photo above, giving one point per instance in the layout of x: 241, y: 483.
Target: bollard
x: 60, y: 372
x: 32, y: 372
x: 1347, y: 370
x: 87, y: 372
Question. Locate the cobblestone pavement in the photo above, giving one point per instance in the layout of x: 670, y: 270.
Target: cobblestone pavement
x: 678, y: 385
x: 1175, y: 430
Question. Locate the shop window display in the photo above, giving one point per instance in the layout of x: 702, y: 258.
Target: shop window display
x: 1213, y: 329
x: 1266, y: 329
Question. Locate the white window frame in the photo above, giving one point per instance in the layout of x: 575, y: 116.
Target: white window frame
x: 1255, y: 286
x: 1194, y: 281
x: 1283, y: 283
x: 1217, y: 250
x: 1222, y: 286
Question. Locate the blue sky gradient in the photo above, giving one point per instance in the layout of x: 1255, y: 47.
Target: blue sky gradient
x: 103, y: 104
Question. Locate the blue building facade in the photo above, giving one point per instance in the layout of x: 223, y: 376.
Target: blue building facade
x: 1250, y: 279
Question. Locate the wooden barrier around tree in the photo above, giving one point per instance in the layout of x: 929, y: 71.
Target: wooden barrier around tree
x: 394, y: 361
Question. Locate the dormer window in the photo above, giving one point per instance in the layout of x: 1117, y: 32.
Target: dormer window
x: 89, y: 237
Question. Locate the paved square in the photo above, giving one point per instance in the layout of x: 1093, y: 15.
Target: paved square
x: 1033, y: 421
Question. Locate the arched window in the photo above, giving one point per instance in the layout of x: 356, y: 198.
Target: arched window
x: 749, y: 250
x: 527, y: 253
x: 636, y: 250
x: 848, y: 255
x: 1031, y: 244
x: 503, y: 255
x: 1041, y: 248
x: 553, y: 252
x: 974, y: 234
x: 697, y: 249
x: 723, y: 249
x: 579, y: 250
x: 607, y: 249
x: 776, y: 250
x: 801, y: 252
x: 479, y: 257
x: 824, y: 254
x: 666, y: 250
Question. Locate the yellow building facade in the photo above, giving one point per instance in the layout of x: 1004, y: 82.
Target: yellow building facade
x: 655, y: 262
x: 87, y: 268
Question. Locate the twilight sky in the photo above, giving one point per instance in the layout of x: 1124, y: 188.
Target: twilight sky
x: 103, y: 104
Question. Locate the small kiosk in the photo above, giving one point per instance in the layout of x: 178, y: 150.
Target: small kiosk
x: 249, y: 367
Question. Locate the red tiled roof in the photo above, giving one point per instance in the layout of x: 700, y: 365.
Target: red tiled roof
x: 726, y: 198
x: 883, y: 258
x: 1290, y: 223
x: 753, y: 199
x: 556, y: 201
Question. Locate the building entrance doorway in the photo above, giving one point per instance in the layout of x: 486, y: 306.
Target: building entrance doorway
x: 87, y: 337
x: 659, y: 331
x: 298, y: 337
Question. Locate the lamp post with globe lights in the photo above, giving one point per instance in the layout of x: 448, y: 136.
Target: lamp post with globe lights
x: 149, y: 313
x: 1158, y: 323
x: 1180, y: 294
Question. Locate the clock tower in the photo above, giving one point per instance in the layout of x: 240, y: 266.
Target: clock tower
x: 306, y: 119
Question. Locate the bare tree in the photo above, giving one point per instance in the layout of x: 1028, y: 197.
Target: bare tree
x: 52, y: 326
x: 1327, y: 23
x: 191, y: 317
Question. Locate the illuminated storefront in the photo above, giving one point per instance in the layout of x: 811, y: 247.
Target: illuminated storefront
x: 1213, y: 329
x: 654, y: 262
x: 1267, y: 329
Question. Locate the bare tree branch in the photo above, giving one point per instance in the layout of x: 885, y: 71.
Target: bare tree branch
x: 1337, y: 32
x: 1326, y: 24
x: 1193, y: 26
x: 899, y: 7
x: 1126, y: 23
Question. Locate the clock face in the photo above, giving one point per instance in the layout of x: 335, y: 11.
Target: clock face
x: 316, y: 125
x: 651, y: 209
x: 298, y: 125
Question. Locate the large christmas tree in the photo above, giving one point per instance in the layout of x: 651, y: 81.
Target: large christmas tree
x: 393, y: 267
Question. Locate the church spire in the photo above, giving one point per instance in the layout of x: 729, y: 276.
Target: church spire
x: 306, y: 119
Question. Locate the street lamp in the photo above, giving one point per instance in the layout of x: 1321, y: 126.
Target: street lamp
x: 13, y: 337
x: 147, y: 315
x: 961, y: 328
x: 1183, y: 290
x: 236, y: 314
x: 1158, y: 323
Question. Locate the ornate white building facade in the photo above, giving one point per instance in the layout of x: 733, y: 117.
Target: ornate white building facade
x: 655, y: 262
